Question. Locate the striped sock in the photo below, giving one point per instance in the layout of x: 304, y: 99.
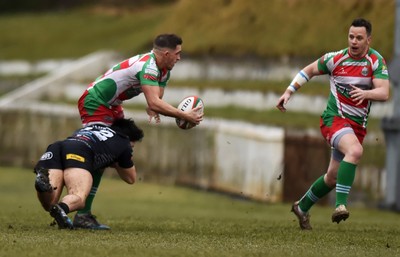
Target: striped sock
x: 317, y: 190
x: 345, y: 179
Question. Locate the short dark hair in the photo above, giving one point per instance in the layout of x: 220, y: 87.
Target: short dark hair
x: 128, y: 128
x: 167, y: 40
x: 360, y: 22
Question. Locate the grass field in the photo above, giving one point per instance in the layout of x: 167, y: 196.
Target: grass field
x: 265, y: 29
x: 155, y: 220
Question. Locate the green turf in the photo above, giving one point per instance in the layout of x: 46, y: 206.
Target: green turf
x: 278, y: 29
x: 157, y: 220
x: 76, y: 33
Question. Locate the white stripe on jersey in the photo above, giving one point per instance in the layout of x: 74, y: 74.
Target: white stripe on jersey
x: 351, y: 110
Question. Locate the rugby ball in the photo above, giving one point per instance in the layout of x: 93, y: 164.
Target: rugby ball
x: 186, y: 105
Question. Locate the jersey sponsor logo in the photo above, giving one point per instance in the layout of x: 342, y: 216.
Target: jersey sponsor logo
x: 384, y: 70
x: 46, y: 156
x: 355, y: 63
x: 149, y: 77
x: 151, y: 71
x: 341, y: 71
x: 186, y: 104
x: 75, y: 157
x: 343, y: 88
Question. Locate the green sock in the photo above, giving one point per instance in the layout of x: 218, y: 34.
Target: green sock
x: 89, y: 200
x: 317, y: 190
x: 345, y: 178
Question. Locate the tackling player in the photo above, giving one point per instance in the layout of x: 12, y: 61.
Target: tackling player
x: 74, y: 162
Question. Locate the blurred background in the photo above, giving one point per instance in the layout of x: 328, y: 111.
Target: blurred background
x: 238, y: 56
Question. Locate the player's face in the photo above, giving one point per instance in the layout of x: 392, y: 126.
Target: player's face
x: 358, y: 41
x: 172, y: 57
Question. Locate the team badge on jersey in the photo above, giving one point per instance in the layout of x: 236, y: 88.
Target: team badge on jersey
x: 364, y: 71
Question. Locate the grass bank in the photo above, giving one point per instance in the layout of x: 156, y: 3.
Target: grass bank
x: 251, y: 29
x: 157, y: 220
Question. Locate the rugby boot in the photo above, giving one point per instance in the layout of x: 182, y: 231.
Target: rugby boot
x: 88, y: 221
x: 62, y: 219
x: 340, y: 213
x: 42, y: 182
x: 304, y: 218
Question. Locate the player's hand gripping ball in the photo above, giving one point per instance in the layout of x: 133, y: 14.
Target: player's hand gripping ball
x: 186, y: 105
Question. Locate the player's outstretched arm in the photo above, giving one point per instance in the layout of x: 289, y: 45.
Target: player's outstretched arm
x: 282, y: 101
x: 126, y: 174
x: 301, y: 78
x: 157, y: 105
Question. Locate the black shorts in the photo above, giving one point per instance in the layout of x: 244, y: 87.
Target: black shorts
x: 67, y: 154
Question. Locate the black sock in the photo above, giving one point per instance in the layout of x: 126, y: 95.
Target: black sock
x: 64, y: 206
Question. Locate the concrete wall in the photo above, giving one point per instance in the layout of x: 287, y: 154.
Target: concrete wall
x: 258, y: 162
x: 231, y: 157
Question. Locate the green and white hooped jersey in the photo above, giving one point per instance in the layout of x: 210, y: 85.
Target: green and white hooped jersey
x: 345, y: 71
x: 124, y: 80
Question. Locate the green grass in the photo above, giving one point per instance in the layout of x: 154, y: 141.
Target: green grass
x: 273, y: 28
x: 73, y: 34
x: 159, y: 220
x: 255, y: 29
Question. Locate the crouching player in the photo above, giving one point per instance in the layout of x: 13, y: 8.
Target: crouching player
x: 72, y: 162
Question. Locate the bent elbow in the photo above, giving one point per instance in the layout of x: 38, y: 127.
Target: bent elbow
x: 154, y: 107
x: 131, y: 179
x: 386, y: 98
x: 383, y: 98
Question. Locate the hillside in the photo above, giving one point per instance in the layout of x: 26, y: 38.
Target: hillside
x: 277, y: 28
x: 254, y: 28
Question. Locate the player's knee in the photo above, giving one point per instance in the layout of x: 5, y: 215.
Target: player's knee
x: 355, y: 152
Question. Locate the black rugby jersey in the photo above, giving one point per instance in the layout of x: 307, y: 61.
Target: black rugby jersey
x: 107, y: 145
